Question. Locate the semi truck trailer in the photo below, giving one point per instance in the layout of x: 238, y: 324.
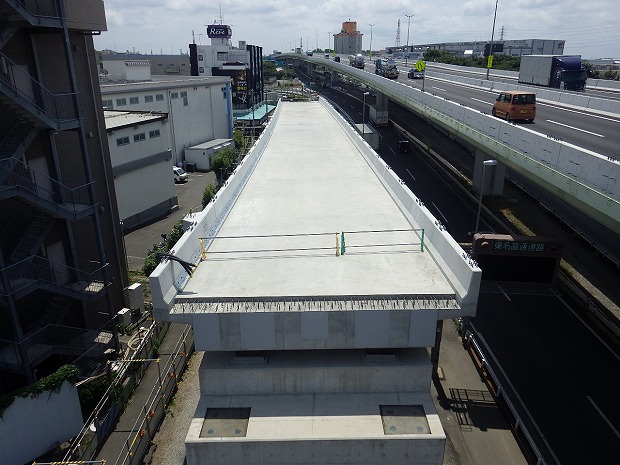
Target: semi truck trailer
x: 378, y: 117
x: 558, y: 71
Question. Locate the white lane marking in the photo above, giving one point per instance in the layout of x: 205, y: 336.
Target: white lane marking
x: 439, y: 211
x: 439, y: 88
x: 481, y: 101
x: 393, y: 151
x: 604, y: 417
x: 410, y: 174
x: 504, y: 292
x: 576, y: 129
x: 585, y: 113
x: 585, y: 325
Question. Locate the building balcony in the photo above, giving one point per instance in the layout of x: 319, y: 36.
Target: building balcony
x: 36, y: 272
x: 17, y: 179
x: 56, y: 110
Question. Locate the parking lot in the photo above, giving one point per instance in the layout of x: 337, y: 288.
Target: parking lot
x: 189, y: 195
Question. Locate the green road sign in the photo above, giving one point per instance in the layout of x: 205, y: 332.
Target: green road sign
x: 420, y: 65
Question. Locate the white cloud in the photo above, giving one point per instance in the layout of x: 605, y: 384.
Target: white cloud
x: 589, y: 28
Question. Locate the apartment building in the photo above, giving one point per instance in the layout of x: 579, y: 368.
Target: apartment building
x: 62, y: 266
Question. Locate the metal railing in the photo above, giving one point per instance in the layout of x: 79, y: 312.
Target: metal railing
x: 100, y: 423
x: 60, y: 107
x: 31, y: 271
x: 17, y: 175
x: 49, y: 340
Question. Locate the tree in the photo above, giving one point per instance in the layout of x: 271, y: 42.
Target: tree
x: 208, y: 194
x: 238, y: 138
x: 222, y: 162
x: 269, y: 69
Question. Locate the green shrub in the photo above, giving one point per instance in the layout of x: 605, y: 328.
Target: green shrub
x: 151, y: 261
x: 208, y: 194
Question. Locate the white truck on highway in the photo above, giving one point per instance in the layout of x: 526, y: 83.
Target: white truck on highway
x: 378, y: 117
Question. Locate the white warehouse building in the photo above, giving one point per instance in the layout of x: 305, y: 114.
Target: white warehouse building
x: 199, y: 108
x: 141, y: 165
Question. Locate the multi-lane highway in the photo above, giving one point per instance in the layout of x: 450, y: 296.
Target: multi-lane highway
x: 560, y: 373
x: 595, y: 132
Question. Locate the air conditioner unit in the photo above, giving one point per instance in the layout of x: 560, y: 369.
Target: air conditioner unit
x: 134, y: 298
x: 124, y: 316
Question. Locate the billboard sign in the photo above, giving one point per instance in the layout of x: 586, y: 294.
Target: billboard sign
x: 219, y: 31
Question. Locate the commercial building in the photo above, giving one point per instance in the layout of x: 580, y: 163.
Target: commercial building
x: 482, y: 48
x: 199, y: 109
x: 62, y: 265
x: 349, y: 40
x: 243, y: 64
x: 109, y: 62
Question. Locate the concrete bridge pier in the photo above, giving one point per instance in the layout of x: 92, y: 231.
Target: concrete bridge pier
x: 333, y: 78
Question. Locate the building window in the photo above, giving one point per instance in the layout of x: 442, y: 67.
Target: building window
x: 201, y: 70
x: 133, y: 100
x: 108, y: 104
x: 185, y: 101
x: 222, y: 56
x: 139, y: 137
x: 201, y: 58
x: 148, y: 99
x: 122, y: 141
x: 159, y: 97
x: 121, y: 102
x: 174, y: 95
x: 183, y: 94
x: 154, y: 133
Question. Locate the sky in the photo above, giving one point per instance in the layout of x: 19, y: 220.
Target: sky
x: 590, y: 27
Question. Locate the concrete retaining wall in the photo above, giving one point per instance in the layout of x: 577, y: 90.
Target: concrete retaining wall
x: 34, y: 425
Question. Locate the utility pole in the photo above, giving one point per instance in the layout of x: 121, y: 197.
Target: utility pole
x: 407, y: 52
x: 490, y: 58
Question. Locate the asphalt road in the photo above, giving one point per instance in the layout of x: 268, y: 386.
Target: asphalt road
x: 189, y: 195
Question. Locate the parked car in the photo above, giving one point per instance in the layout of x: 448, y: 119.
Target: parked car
x: 179, y: 174
x: 514, y: 105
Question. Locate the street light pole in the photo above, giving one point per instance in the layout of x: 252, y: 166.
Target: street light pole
x: 492, y: 34
x: 485, y: 163
x: 364, y: 114
x: 370, y: 53
x: 407, y: 52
